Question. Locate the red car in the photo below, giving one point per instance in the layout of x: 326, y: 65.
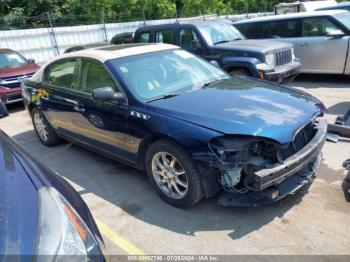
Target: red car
x: 13, y: 69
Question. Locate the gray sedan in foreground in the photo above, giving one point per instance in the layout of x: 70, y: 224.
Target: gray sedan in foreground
x: 321, y: 39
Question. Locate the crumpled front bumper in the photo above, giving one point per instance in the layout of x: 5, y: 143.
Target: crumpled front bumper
x: 276, y: 183
x: 284, y: 74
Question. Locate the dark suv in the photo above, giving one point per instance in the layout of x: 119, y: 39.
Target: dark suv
x: 220, y: 43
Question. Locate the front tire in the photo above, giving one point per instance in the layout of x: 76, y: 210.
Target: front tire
x: 45, y: 132
x: 173, y: 174
x: 240, y: 72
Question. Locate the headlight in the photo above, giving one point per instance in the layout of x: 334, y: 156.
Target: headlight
x: 231, y: 149
x: 270, y: 60
x: 62, y: 231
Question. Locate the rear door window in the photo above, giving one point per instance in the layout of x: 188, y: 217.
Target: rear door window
x: 318, y: 26
x: 62, y: 73
x: 280, y: 29
x: 145, y: 37
x: 93, y: 75
x: 165, y: 36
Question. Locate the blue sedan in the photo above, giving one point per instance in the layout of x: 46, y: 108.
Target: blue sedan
x: 195, y: 130
x: 40, y: 213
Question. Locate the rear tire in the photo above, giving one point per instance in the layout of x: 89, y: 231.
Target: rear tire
x: 45, y: 132
x: 173, y: 174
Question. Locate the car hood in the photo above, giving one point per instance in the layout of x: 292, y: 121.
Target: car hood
x: 18, y: 206
x: 26, y: 69
x: 244, y: 107
x: 263, y: 46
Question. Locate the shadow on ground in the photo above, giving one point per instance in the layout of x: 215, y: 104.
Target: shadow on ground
x: 339, y: 109
x: 130, y: 190
x: 14, y: 108
x: 314, y: 81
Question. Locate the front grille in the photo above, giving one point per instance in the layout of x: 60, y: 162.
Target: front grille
x: 302, y: 138
x: 13, y: 82
x: 283, y: 57
x: 14, y: 97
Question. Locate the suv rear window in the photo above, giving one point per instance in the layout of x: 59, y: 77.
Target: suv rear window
x: 280, y: 29
x: 250, y: 30
x: 165, y: 36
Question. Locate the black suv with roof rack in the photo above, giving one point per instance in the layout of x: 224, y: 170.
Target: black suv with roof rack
x: 220, y: 43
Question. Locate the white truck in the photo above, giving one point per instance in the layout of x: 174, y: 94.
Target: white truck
x: 296, y: 7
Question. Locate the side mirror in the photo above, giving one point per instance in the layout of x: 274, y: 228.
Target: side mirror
x: 335, y: 34
x: 105, y: 94
x: 31, y: 61
x: 3, y: 110
x: 196, y: 45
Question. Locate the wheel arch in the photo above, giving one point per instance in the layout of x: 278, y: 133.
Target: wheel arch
x: 246, y: 63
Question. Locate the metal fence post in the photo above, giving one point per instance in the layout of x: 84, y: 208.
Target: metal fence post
x: 104, y: 25
x: 52, y: 32
x: 143, y: 15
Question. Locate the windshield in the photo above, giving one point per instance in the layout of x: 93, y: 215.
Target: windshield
x: 159, y: 74
x: 344, y: 18
x: 11, y: 59
x: 216, y: 33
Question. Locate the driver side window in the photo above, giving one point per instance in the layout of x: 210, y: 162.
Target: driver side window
x: 93, y: 75
x: 187, y: 38
x: 318, y: 26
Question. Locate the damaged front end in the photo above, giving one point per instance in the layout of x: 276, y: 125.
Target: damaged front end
x: 257, y: 171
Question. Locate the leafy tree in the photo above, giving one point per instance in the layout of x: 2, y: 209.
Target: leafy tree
x: 15, y: 13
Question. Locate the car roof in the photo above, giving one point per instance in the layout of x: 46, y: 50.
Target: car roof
x: 105, y: 53
x: 294, y: 15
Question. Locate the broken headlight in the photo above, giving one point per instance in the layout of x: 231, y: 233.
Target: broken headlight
x: 231, y: 149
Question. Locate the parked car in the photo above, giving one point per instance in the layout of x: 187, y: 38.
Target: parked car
x: 40, y: 213
x: 119, y: 39
x: 320, y: 38
x: 339, y: 6
x: 13, y: 69
x: 75, y: 48
x: 192, y: 127
x: 222, y: 44
x: 123, y: 38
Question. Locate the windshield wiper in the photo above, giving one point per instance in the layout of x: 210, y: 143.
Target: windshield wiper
x: 221, y: 42
x: 165, y: 96
x: 211, y: 82
x: 226, y: 41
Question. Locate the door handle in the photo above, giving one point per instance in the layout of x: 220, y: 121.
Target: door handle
x: 304, y: 45
x: 79, y: 109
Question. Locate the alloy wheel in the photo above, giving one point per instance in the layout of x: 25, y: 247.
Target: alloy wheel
x: 40, y: 127
x: 169, y: 175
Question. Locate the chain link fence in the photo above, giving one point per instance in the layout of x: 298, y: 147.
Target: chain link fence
x: 45, y: 36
